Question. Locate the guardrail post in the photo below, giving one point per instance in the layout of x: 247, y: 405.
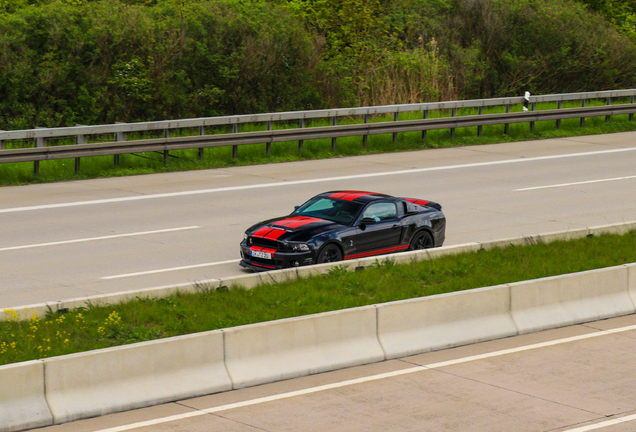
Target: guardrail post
x: 79, y: 139
x: 364, y: 137
x: 166, y: 153
x: 395, y: 118
x: 268, y: 146
x: 507, y: 126
x: 39, y: 142
x: 558, y: 122
x: 424, y: 116
x: 631, y: 116
x: 1, y: 142
x: 119, y: 136
x: 201, y: 132
x: 235, y: 147
x: 609, y: 102
x: 334, y: 122
x: 301, y: 124
x: 582, y: 121
x: 479, y: 128
x: 452, y: 131
x: 533, y: 107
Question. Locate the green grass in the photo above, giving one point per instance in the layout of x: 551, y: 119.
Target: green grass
x: 91, y: 328
x: 146, y: 163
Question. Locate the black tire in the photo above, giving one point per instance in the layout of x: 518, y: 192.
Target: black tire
x: 422, y: 240
x: 330, y: 253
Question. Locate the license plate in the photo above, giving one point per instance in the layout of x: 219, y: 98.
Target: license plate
x: 259, y: 254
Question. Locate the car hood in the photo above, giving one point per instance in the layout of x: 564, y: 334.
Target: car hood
x: 292, y: 228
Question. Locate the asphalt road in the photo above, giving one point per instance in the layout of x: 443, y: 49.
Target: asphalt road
x: 74, y: 239
x: 573, y: 379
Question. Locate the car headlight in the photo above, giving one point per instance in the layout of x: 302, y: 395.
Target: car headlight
x: 298, y: 247
x: 248, y: 239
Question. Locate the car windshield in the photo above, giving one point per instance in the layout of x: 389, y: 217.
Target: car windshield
x: 335, y: 210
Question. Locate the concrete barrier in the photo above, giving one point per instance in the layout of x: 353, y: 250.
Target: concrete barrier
x: 570, y: 299
x: 442, y: 321
x: 539, y: 238
x: 133, y: 376
x: 289, y: 348
x: 116, y: 379
x: 617, y: 228
x: 22, y: 402
x: 631, y: 281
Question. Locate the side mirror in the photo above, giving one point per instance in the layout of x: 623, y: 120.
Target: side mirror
x: 367, y: 221
x: 296, y: 208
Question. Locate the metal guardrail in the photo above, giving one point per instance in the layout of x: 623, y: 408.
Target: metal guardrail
x: 201, y: 141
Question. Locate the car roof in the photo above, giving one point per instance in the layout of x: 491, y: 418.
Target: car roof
x: 354, y: 195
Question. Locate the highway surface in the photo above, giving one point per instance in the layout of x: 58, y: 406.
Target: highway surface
x: 66, y: 240
x: 573, y: 379
x: 83, y: 238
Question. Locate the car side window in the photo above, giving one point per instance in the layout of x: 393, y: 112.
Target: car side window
x: 381, y: 211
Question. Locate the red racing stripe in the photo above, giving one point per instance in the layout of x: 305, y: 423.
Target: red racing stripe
x: 261, y: 232
x: 296, y: 221
x: 274, y: 234
x: 377, y: 252
x: 264, y: 266
x: 416, y: 201
x: 350, y: 195
x: 269, y: 233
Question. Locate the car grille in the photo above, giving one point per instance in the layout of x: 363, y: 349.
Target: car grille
x: 259, y: 241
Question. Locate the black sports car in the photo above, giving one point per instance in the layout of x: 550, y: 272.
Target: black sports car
x: 341, y: 225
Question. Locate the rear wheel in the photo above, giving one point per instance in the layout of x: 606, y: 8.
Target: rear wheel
x: 422, y: 240
x: 330, y: 253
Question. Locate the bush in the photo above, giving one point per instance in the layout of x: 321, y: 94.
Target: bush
x: 500, y: 48
x: 106, y: 61
x: 77, y: 62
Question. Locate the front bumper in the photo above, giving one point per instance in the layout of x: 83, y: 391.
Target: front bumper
x: 279, y: 260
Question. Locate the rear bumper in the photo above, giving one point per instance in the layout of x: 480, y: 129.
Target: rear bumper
x: 439, y: 234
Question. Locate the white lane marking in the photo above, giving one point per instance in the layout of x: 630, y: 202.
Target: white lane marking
x: 604, y: 424
x: 171, y: 269
x: 575, y: 183
x: 309, y: 181
x: 97, y: 238
x: 370, y: 378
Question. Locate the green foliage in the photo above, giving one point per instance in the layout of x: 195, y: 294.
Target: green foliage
x: 622, y: 13
x: 107, y: 61
x: 67, y: 62
x: 505, y: 47
x: 357, y: 37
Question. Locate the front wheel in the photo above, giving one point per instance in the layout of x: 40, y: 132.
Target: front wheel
x: 330, y: 253
x: 422, y: 240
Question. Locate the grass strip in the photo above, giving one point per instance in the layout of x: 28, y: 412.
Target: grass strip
x: 91, y: 327
x: 221, y: 157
